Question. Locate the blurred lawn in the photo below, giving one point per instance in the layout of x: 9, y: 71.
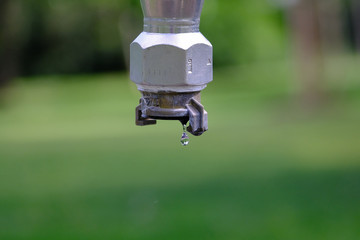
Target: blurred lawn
x: 74, y: 166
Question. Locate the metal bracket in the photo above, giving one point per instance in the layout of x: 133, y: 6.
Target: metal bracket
x: 141, y: 121
x: 198, y: 118
x: 191, y: 111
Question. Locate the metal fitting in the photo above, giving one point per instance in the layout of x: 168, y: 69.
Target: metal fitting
x: 171, y: 62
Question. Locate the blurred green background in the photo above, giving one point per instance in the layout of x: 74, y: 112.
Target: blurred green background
x: 281, y: 159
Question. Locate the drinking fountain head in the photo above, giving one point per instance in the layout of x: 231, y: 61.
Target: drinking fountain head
x: 171, y: 63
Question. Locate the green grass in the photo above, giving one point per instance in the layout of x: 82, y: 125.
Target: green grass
x: 74, y: 166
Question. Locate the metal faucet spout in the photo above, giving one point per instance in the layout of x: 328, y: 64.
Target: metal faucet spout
x: 171, y: 63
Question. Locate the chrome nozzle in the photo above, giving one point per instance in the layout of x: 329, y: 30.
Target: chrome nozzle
x: 171, y: 62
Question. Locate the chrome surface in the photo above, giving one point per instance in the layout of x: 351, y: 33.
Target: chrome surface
x: 171, y: 62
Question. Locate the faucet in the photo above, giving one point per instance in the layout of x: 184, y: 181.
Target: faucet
x: 171, y: 62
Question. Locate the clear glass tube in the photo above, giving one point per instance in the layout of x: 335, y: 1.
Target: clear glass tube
x: 171, y: 16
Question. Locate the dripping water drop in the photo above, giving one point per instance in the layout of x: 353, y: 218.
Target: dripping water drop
x: 184, y: 137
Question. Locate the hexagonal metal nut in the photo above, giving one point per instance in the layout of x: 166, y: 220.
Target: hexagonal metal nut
x: 171, y: 60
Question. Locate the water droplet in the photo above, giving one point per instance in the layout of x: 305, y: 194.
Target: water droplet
x: 184, y: 137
